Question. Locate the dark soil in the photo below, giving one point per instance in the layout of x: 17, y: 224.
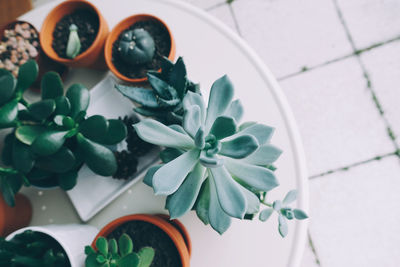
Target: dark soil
x: 145, y: 234
x: 163, y: 46
x: 88, y: 26
x: 127, y: 164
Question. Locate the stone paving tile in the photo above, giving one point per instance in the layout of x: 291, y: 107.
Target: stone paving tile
x: 354, y: 215
x: 336, y: 116
x: 371, y: 21
x: 383, y: 65
x: 289, y: 35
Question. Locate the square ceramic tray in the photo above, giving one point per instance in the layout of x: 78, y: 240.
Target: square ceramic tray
x: 86, y: 198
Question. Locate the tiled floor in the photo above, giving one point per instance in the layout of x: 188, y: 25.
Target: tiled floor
x: 338, y: 61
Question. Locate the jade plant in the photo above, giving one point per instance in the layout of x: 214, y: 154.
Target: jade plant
x: 215, y: 166
x: 32, y: 249
x: 74, y: 43
x: 136, y: 47
x: 164, y: 102
x: 52, y: 138
x: 121, y: 254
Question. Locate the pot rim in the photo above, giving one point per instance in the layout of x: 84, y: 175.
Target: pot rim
x: 54, y: 56
x: 155, y: 220
x: 118, y: 29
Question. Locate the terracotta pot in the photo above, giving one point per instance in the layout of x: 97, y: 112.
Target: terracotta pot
x: 93, y: 57
x: 173, y: 228
x: 116, y: 32
x: 13, y: 218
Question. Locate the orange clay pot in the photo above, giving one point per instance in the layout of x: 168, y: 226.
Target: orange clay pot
x: 116, y: 32
x: 14, y: 218
x: 173, y: 228
x: 93, y: 57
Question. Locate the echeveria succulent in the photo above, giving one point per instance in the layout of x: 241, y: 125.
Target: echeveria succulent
x: 164, y: 102
x: 32, y: 249
x: 121, y: 254
x: 52, y: 138
x: 136, y: 47
x: 211, y: 164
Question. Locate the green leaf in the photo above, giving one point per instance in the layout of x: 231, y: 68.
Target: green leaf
x: 177, y: 77
x: 38, y: 175
x: 142, y: 96
x: 129, y: 260
x: 7, y: 86
x: 43, y: 109
x: 102, y: 245
x: 79, y: 98
x: 223, y: 127
x: 210, y: 161
x: 89, y: 250
x: 192, y: 120
x: 116, y: 132
x: 10, y: 185
x: 6, y: 155
x: 146, y: 256
x: 239, y: 147
x: 199, y: 138
x: 74, y: 44
x: 22, y: 157
x: 113, y: 246
x: 264, y: 155
x: 27, y: 74
x: 195, y: 99
x: 277, y: 205
x: 98, y: 158
x: 148, y: 178
x: 290, y: 197
x: 299, y: 214
x: 52, y: 85
x: 235, y: 110
x: 203, y: 202
x: 218, y: 219
x: 67, y: 180
x: 162, y: 88
x: 60, y: 162
x: 221, y: 95
x: 91, y: 261
x: 94, y: 128
x: 156, y: 113
x: 170, y: 154
x: 63, y: 107
x: 185, y: 197
x: 253, y: 203
x: 265, y: 214
x: 48, y: 142
x: 8, y: 114
x: 259, y: 178
x: 157, y: 133
x: 283, y: 226
x: 230, y: 195
x: 28, y: 133
x: 125, y: 245
x: 100, y: 259
x: 170, y: 176
x: 261, y: 132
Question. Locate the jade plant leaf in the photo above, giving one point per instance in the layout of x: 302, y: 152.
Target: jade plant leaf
x: 129, y: 260
x: 79, y: 98
x: 141, y: 96
x: 95, y: 128
x: 102, y: 245
x: 22, y: 157
x: 125, y: 245
x: 7, y: 86
x: 27, y: 74
x: 8, y: 114
x: 98, y: 158
x: 223, y: 127
x: 218, y: 219
x: 49, y: 142
x: 60, y: 162
x: 264, y: 155
x: 240, y: 147
x: 6, y: 155
x: 67, y: 180
x: 43, y: 109
x: 146, y: 255
x: 28, y: 133
x: 10, y: 185
x: 52, y: 85
x: 63, y: 107
x: 37, y: 175
x: 116, y: 132
x: 113, y: 246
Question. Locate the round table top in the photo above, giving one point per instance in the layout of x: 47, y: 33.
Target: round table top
x: 210, y: 49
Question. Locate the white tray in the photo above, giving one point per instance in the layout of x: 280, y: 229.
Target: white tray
x: 210, y: 50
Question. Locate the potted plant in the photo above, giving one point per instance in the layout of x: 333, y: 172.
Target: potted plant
x: 74, y: 33
x: 214, y: 165
x: 13, y: 218
x: 51, y: 139
x: 136, y: 45
x: 46, y: 246
x: 168, y: 240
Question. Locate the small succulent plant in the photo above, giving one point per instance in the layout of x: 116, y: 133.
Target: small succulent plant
x: 214, y: 166
x: 32, y: 249
x: 121, y: 254
x: 136, y: 47
x: 51, y: 139
x: 164, y: 102
x: 74, y: 43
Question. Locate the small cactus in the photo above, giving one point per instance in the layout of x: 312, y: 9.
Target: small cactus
x: 74, y: 43
x: 136, y: 47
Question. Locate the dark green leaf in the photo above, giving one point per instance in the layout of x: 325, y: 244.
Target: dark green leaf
x: 89, y: 250
x: 7, y: 86
x: 129, y: 260
x: 49, y: 142
x: 170, y: 154
x: 299, y: 214
x: 139, y: 95
x: 177, y: 77
x: 67, y: 180
x: 37, y: 175
x: 52, y: 85
x: 27, y: 133
x: 163, y: 89
x: 43, y: 109
x: 116, y: 132
x: 94, y: 128
x: 151, y: 113
x: 79, y: 98
x: 63, y: 107
x: 223, y: 127
x: 60, y: 162
x: 22, y: 157
x: 6, y: 155
x: 27, y: 74
x: 9, y: 186
x: 113, y: 246
x: 8, y: 114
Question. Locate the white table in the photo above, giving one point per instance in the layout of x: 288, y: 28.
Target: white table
x: 210, y: 50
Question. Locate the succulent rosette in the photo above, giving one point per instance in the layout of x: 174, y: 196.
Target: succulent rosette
x: 213, y: 165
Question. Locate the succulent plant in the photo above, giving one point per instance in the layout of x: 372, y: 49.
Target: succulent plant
x: 52, y: 138
x: 121, y: 254
x: 136, y: 47
x: 164, y: 102
x: 32, y: 249
x: 211, y: 164
x: 74, y: 43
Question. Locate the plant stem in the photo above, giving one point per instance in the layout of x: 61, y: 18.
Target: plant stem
x: 267, y: 204
x: 23, y: 102
x: 8, y: 170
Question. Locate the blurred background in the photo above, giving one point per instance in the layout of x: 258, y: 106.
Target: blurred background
x: 338, y: 62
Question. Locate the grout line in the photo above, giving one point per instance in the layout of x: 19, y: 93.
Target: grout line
x: 314, y: 251
x: 234, y: 19
x: 356, y: 164
x: 366, y: 75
